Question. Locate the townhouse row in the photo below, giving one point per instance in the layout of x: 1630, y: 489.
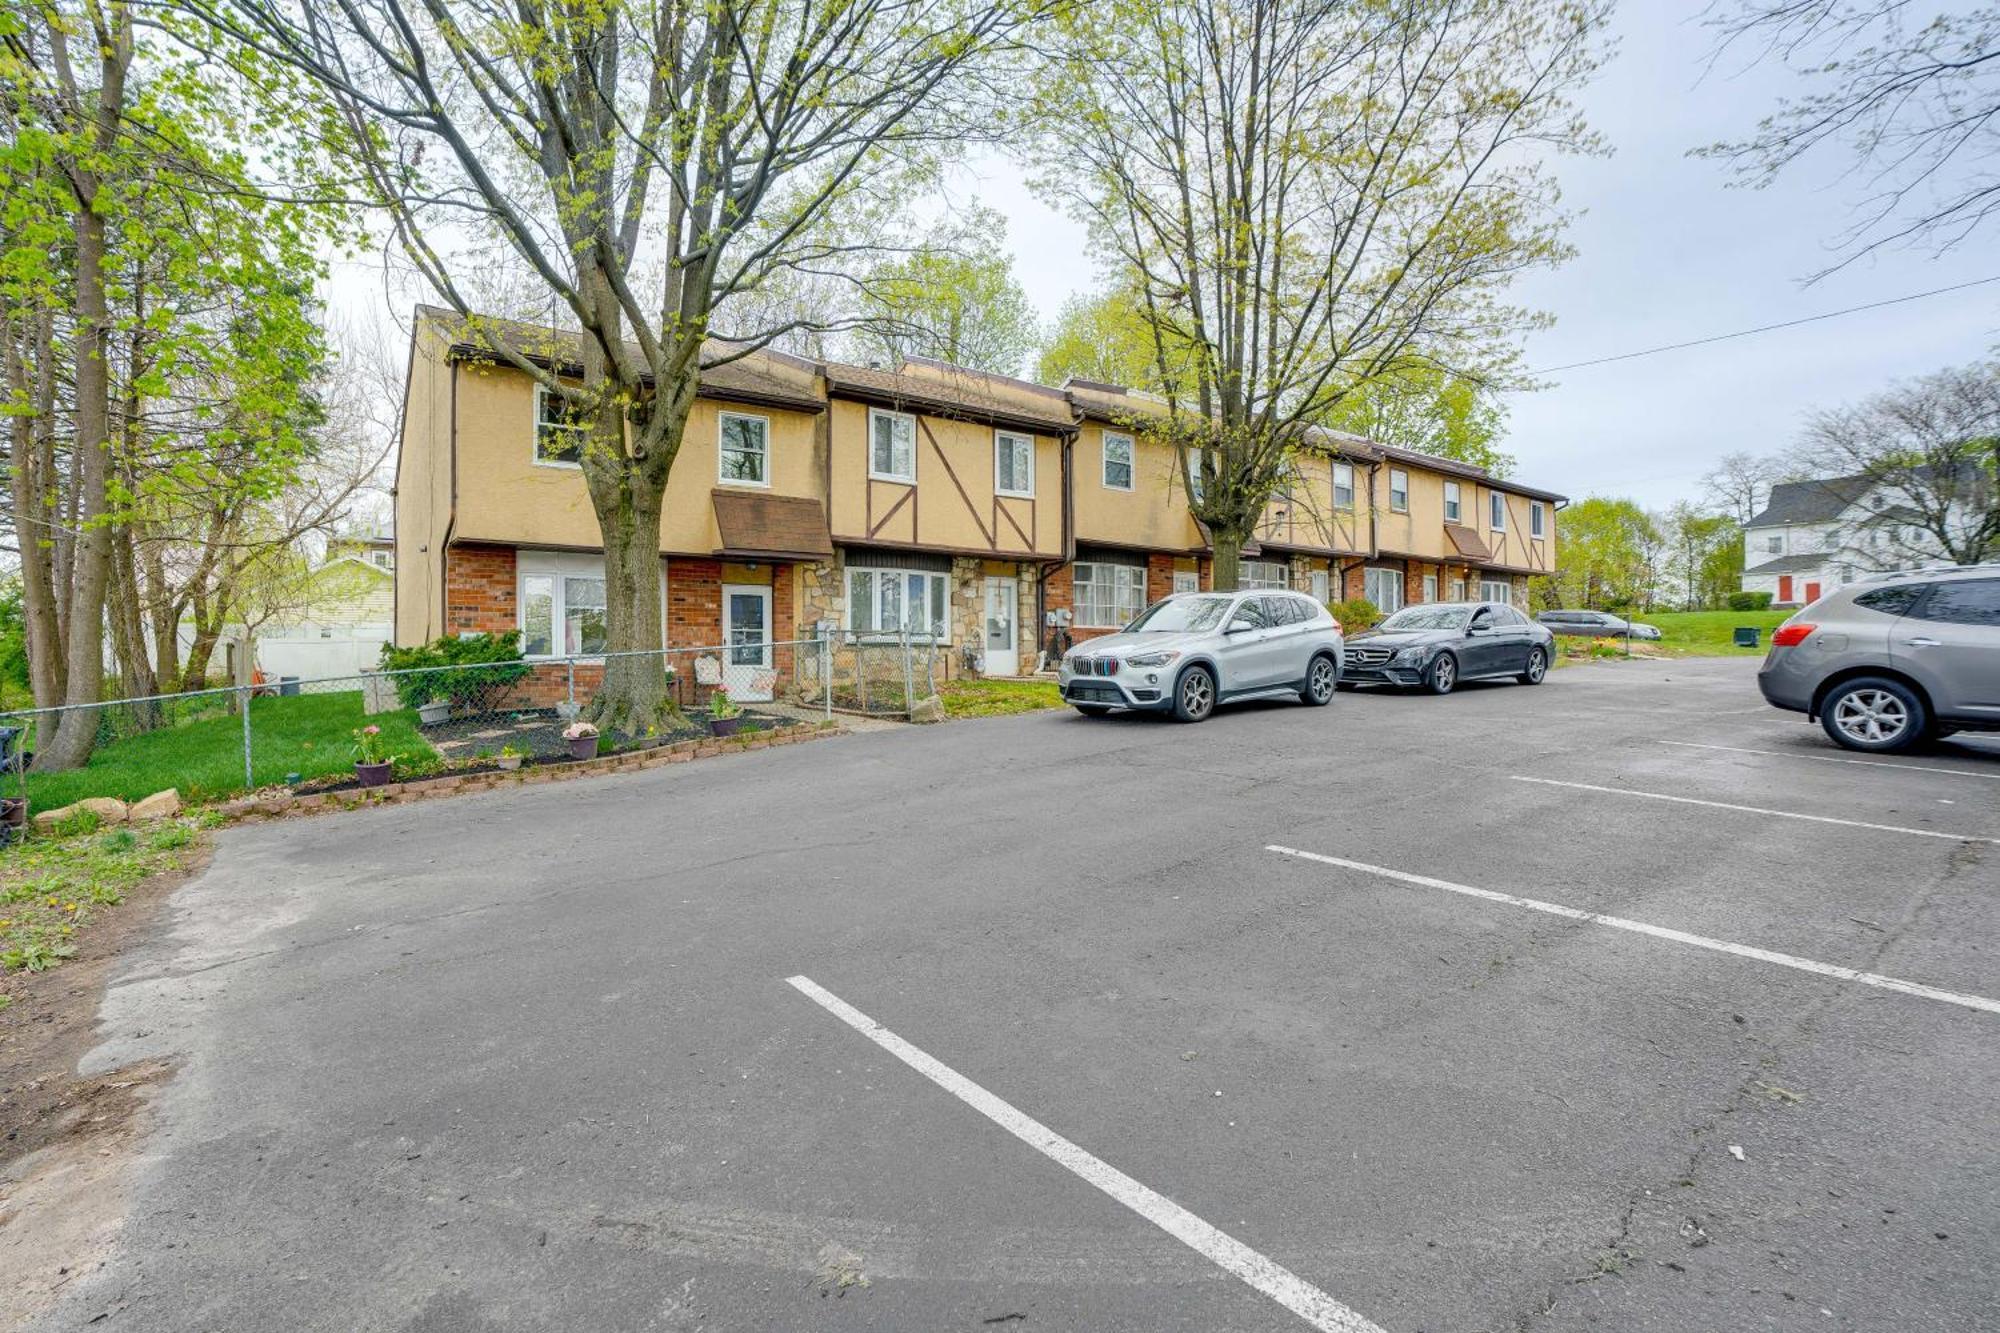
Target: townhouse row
x: 820, y: 497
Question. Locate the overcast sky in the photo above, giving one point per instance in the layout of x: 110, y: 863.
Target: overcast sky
x: 1665, y: 253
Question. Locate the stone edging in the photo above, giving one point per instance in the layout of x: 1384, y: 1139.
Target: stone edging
x: 423, y: 789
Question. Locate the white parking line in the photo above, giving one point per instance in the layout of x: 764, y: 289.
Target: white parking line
x: 1837, y: 759
x: 1759, y: 810
x: 1281, y: 1285
x: 1658, y: 932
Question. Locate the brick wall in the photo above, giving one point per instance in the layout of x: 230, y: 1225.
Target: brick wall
x: 479, y: 590
x: 1159, y: 577
x: 694, y: 604
x: 783, y: 626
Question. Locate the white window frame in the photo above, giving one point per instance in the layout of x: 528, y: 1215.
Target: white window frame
x: 1264, y: 575
x: 1341, y: 470
x: 1127, y: 587
x: 542, y: 391
x: 1430, y: 587
x: 1453, y: 502
x: 1005, y: 438
x: 558, y: 567
x: 1496, y: 590
x: 1399, y: 482
x: 1538, y: 519
x: 1131, y: 462
x: 1372, y: 580
x: 908, y: 579
x: 1496, y: 511
x: 874, y: 474
x: 721, y: 473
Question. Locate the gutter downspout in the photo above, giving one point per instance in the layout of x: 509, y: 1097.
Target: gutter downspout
x: 451, y: 513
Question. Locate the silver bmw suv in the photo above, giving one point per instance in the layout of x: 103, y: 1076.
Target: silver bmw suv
x: 1189, y: 652
x: 1892, y: 660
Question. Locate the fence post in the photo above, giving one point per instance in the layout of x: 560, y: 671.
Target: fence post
x: 909, y: 676
x: 826, y: 672
x: 249, y: 782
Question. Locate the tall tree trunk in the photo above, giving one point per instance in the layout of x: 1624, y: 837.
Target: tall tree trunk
x: 633, y: 695
x: 1226, y: 565
x: 29, y: 482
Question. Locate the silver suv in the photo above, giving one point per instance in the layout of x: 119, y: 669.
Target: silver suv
x: 1888, y: 662
x: 1189, y: 652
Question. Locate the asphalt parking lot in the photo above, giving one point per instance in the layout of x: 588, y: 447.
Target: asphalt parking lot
x: 1028, y: 1024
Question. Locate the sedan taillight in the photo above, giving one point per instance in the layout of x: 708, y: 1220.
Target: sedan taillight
x: 1789, y: 636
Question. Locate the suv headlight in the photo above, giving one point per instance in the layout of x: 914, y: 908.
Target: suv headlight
x: 1158, y: 659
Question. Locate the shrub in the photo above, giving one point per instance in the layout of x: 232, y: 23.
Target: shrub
x: 1749, y: 601
x: 469, y: 670
x: 1356, y: 613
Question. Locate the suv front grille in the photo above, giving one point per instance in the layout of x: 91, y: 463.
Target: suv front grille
x: 1095, y: 666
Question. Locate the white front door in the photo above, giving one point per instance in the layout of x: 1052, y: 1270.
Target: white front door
x: 1002, y: 653
x: 747, y: 671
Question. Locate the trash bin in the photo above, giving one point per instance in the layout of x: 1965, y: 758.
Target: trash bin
x: 288, y: 686
x: 1746, y: 636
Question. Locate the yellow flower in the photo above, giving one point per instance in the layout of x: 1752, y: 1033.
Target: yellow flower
x: 69, y: 907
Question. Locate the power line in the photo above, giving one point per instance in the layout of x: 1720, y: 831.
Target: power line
x: 1767, y: 328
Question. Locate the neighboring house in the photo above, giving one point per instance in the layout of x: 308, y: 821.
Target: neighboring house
x: 1815, y: 536
x: 980, y: 509
x: 344, y: 617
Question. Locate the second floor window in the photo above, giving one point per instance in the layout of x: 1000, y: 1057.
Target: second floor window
x: 1451, y: 505
x: 1538, y: 519
x: 892, y: 449
x: 1496, y: 507
x: 1399, y: 490
x: 559, y: 430
x: 1343, y: 485
x: 746, y: 450
x: 1013, y: 464
x: 1774, y: 545
x: 1118, y: 464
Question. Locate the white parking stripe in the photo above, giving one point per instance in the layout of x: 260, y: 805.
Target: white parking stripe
x: 1294, y: 1293
x: 1658, y: 932
x: 1759, y: 810
x: 1838, y: 759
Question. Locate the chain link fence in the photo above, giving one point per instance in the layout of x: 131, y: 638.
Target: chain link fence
x: 310, y: 734
x: 881, y: 675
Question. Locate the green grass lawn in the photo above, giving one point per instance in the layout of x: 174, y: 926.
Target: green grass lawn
x: 308, y: 734
x: 1707, y: 633
x: 997, y: 698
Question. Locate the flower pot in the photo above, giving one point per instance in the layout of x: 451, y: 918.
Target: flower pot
x: 508, y: 762
x: 372, y: 775
x: 724, y: 726
x: 434, y: 712
x: 583, y: 747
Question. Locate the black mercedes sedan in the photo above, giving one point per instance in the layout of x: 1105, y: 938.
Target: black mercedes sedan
x: 1438, y: 644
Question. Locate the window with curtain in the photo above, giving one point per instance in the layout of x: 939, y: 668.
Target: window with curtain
x: 887, y: 601
x: 1107, y: 596
x: 1451, y: 502
x: 892, y: 450
x: 1496, y: 505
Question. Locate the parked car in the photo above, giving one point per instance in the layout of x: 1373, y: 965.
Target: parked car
x: 1187, y: 653
x: 1438, y: 644
x: 1595, y: 624
x: 1887, y: 662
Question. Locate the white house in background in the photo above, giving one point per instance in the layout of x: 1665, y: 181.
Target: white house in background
x: 1815, y: 536
x: 348, y: 613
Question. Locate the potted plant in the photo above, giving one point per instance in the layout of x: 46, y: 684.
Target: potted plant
x: 724, y: 717
x: 371, y: 765
x: 431, y: 713
x: 510, y: 759
x: 582, y: 738
x: 14, y: 812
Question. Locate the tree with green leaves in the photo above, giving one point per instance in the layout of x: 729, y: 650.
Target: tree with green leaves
x: 1311, y: 198
x: 651, y: 163
x: 954, y: 299
x: 1608, y: 556
x: 1102, y: 337
x: 1703, y: 555
x: 1432, y: 412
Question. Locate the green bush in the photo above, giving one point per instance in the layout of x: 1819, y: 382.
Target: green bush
x: 1355, y: 614
x: 1749, y: 601
x: 469, y: 670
